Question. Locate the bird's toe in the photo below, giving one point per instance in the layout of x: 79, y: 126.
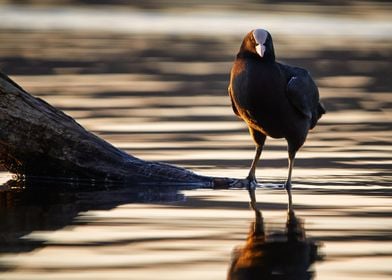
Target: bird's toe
x: 252, y: 182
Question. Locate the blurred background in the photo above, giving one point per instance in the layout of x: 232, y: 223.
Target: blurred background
x: 151, y: 77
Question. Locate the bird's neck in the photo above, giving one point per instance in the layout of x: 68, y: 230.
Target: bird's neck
x: 268, y: 57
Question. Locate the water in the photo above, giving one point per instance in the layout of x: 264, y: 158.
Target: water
x: 194, y: 22
x: 150, y: 233
x: 163, y: 97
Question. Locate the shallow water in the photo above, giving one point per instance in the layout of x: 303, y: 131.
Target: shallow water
x: 163, y: 97
x: 152, y: 234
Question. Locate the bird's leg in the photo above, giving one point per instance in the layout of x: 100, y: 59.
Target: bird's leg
x: 252, y: 171
x: 252, y: 182
x: 287, y: 185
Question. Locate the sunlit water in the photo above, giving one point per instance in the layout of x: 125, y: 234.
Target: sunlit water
x: 204, y: 22
x: 164, y: 98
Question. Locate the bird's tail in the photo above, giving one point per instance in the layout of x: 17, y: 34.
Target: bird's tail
x: 321, y: 109
x: 319, y: 112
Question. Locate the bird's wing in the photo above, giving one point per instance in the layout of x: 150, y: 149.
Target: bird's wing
x: 302, y: 92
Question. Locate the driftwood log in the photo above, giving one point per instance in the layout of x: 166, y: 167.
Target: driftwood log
x: 38, y: 140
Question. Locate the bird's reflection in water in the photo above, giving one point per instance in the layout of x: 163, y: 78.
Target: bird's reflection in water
x: 275, y: 255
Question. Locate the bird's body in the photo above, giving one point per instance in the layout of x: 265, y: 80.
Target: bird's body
x: 274, y: 99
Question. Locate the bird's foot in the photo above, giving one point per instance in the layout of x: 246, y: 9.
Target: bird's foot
x: 252, y: 183
x: 244, y: 183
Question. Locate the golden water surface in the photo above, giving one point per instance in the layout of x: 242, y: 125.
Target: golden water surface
x: 162, y: 96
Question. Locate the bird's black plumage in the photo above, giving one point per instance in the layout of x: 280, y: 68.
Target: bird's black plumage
x: 274, y: 99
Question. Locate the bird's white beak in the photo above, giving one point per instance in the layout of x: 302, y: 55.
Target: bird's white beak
x: 260, y: 49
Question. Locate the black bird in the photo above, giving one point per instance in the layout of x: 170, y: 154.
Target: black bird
x: 274, y: 99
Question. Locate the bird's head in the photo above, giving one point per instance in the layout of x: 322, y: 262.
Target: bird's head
x: 258, y: 42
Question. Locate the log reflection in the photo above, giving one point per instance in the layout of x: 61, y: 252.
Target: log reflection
x: 275, y: 255
x: 48, y: 205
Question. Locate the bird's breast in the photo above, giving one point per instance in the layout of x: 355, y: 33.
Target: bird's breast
x: 259, y: 95
x: 255, y: 82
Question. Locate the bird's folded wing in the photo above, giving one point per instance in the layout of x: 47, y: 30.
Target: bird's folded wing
x: 299, y: 89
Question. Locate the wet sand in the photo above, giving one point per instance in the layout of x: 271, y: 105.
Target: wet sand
x: 163, y: 97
